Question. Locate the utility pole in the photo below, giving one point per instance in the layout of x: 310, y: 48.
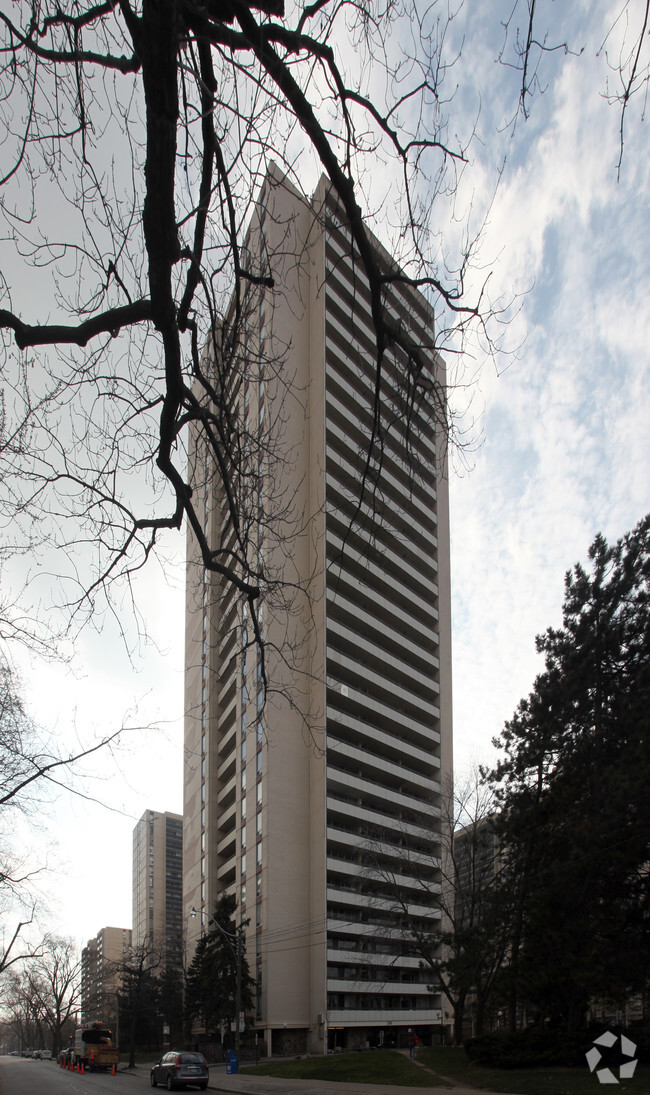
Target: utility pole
x: 238, y: 991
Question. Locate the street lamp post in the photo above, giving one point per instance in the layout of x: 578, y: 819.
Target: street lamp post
x: 237, y: 952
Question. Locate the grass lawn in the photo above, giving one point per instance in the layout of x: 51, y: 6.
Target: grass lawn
x: 386, y: 1067
x: 529, y: 1081
x: 380, y: 1067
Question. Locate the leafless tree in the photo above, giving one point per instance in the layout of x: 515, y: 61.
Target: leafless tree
x: 29, y: 765
x: 32, y: 767
x: 15, y: 948
x: 459, y: 881
x: 136, y: 139
x: 529, y: 35
x: 20, y: 1012
x: 52, y: 981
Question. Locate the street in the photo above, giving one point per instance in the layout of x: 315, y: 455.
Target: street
x: 20, y: 1076
x: 24, y: 1076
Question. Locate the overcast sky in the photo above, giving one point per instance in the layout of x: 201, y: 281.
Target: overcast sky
x: 559, y: 449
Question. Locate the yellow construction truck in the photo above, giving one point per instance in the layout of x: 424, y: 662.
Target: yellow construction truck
x: 93, y: 1048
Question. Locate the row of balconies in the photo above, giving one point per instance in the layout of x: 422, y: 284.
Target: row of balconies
x: 395, y: 828
x: 383, y: 909
x: 403, y: 509
x: 373, y: 763
x: 425, y: 1013
x: 370, y: 681
x: 346, y: 699
x: 343, y: 932
x: 363, y: 649
x: 382, y: 880
x: 348, y: 594
x: 363, y: 843
x: 372, y: 582
x: 395, y: 985
x: 345, y: 441
x: 387, y: 958
x: 358, y: 321
x: 346, y: 361
x: 360, y: 544
x: 401, y: 300
x: 375, y: 794
x: 396, y: 747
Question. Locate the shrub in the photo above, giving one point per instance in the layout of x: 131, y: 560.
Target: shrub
x: 529, y: 1048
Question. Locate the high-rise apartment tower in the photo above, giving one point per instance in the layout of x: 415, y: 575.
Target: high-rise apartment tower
x: 158, y: 887
x: 101, y: 975
x: 317, y: 803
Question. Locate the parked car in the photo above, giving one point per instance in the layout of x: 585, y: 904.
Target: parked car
x: 44, y: 1054
x: 176, y: 1070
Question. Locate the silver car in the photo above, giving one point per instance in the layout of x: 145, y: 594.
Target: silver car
x: 177, y: 1069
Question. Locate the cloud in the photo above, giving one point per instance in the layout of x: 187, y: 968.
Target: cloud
x: 566, y: 448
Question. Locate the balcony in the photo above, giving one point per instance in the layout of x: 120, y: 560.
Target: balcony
x: 394, y: 746
x: 358, y: 842
x: 377, y: 765
x: 375, y: 819
x: 368, y: 790
x: 350, y: 670
x: 359, y: 645
x: 384, y: 1017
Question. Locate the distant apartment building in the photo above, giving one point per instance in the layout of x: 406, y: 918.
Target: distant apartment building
x: 301, y: 804
x: 158, y: 887
x: 101, y: 962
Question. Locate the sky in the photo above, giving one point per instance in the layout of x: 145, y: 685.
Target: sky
x: 557, y: 449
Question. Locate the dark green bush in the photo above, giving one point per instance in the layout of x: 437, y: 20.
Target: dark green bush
x: 529, y: 1048
x: 539, y: 1046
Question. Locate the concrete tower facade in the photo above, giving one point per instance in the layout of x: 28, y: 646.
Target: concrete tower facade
x: 158, y: 886
x: 316, y: 801
x: 101, y: 975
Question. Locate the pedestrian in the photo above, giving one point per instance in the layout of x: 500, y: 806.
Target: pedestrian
x: 413, y: 1041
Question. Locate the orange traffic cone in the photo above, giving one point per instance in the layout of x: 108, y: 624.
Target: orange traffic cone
x: 83, y: 1071
x: 113, y: 1071
x: 78, y: 1069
